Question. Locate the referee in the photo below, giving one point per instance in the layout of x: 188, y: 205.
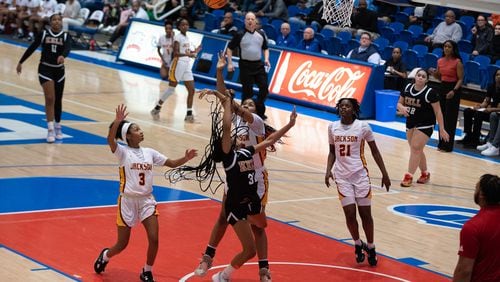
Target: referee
x: 252, y: 43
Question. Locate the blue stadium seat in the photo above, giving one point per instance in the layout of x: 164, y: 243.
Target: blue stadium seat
x: 420, y: 49
x: 472, y: 73
x: 488, y: 77
x: 464, y: 56
x: 270, y: 31
x: 277, y: 24
x: 465, y: 46
x: 211, y: 22
x: 416, y: 29
x: 387, y: 32
x: 438, y: 51
x: 469, y: 21
x: 430, y: 61
x: 345, y: 36
x: 401, y: 17
x: 293, y: 10
x: 239, y: 23
x: 397, y: 26
x: 401, y: 45
x: 333, y: 46
x: 406, y: 36
x: 410, y: 58
x: 321, y: 38
x: 382, y: 42
x: 387, y: 53
x: 351, y: 44
x: 327, y: 32
x: 484, y: 61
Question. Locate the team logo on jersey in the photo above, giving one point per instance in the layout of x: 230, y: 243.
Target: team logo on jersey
x: 438, y: 215
x: 23, y: 122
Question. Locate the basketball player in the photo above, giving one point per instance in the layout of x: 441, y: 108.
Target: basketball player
x: 243, y: 204
x: 420, y: 105
x: 180, y: 69
x: 251, y: 131
x: 347, y: 139
x: 165, y: 44
x: 136, y: 202
x: 56, y: 46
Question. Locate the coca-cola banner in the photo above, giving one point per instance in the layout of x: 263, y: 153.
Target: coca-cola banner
x: 318, y: 80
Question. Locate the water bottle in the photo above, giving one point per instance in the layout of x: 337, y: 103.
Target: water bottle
x: 92, y: 45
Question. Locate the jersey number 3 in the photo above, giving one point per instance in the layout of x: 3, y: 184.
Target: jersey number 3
x: 251, y: 178
x: 345, y: 150
x: 142, y: 179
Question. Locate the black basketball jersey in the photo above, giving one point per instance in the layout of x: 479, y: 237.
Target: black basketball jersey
x: 240, y: 176
x: 53, y: 46
x: 421, y: 114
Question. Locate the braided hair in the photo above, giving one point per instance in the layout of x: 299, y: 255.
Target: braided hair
x: 356, y: 108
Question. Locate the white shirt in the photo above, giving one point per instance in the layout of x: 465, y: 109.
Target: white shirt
x: 349, y: 141
x: 167, y: 45
x: 48, y: 8
x: 136, y: 169
x: 184, y: 45
x: 251, y: 135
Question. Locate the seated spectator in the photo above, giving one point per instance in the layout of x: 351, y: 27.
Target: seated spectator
x: 313, y: 19
x: 286, y: 39
x: 38, y: 21
x: 424, y: 16
x: 362, y: 20
x: 26, y: 10
x: 274, y: 9
x: 495, y: 44
x: 492, y: 145
x: 474, y: 117
x: 252, y: 5
x: 366, y: 52
x: 111, y: 10
x: 309, y: 43
x: 482, y: 35
x: 135, y: 12
x: 396, y: 69
x: 71, y: 15
x: 446, y: 30
x: 227, y: 26
x: 385, y: 10
x: 6, y: 9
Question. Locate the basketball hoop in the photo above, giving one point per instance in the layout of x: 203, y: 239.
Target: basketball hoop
x: 338, y: 12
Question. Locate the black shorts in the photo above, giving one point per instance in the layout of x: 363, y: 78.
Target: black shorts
x: 237, y: 212
x: 47, y: 73
x: 425, y: 130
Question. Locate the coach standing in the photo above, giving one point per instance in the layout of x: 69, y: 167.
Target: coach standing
x: 251, y: 43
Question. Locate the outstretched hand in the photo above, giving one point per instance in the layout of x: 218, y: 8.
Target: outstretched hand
x: 221, y: 63
x: 121, y: 112
x: 190, y: 153
x: 293, y: 116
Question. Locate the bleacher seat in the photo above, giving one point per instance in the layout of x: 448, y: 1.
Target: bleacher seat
x: 430, y: 61
x: 382, y: 43
x: 85, y: 33
x: 465, y: 30
x: 469, y: 21
x: 239, y: 23
x: 401, y: 17
x: 293, y: 10
x: 333, y: 46
x: 211, y: 22
x: 277, y: 24
x: 270, y: 31
x: 472, y: 73
x: 488, y: 77
x: 401, y: 45
x: 464, y: 56
x: 484, y: 61
x: 406, y: 36
x: 345, y: 36
x: 421, y: 51
x: 387, y: 53
x: 416, y: 29
x: 387, y: 32
x: 351, y: 44
x: 397, y: 26
x: 410, y: 58
x: 327, y: 32
x: 465, y: 46
x: 438, y: 51
x: 218, y: 13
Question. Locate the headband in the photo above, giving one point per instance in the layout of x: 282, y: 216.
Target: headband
x: 125, y: 130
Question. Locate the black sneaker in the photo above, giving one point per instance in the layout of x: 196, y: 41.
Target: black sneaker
x: 360, y: 256
x: 372, y: 255
x: 147, y: 276
x: 100, y: 264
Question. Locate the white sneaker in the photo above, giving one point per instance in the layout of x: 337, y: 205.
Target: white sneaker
x: 189, y: 118
x: 265, y: 275
x: 59, y: 134
x: 51, y: 136
x: 217, y: 277
x: 484, y: 146
x: 490, y: 152
x: 204, y: 266
x: 155, y: 114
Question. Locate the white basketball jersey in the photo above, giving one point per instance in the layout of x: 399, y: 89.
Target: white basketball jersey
x: 136, y: 169
x: 167, y: 45
x: 252, y: 134
x: 184, y: 45
x: 349, y: 141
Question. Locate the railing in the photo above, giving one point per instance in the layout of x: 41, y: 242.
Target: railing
x: 159, y: 7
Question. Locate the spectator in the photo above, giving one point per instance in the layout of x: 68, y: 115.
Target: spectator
x: 474, y: 117
x: 482, y: 35
x: 424, y: 18
x: 38, y: 21
x: 252, y: 44
x: 451, y: 73
x: 480, y: 236
x: 184, y: 14
x: 136, y: 12
x: 397, y: 71
x: 447, y: 30
x: 495, y: 44
x: 285, y: 39
x: 71, y: 14
x: 366, y: 52
x: 308, y: 42
x: 364, y: 20
x: 313, y: 19
x: 493, y: 143
x: 274, y: 9
x: 227, y: 26
x: 111, y: 18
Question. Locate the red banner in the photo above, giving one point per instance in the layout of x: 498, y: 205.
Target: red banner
x: 318, y: 80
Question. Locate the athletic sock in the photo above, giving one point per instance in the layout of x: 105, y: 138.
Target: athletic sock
x: 371, y: 245
x: 148, y: 267
x: 50, y: 125
x: 105, y: 255
x: 263, y: 263
x: 358, y: 242
x: 210, y: 251
x: 167, y: 93
x: 226, y: 274
x: 189, y: 112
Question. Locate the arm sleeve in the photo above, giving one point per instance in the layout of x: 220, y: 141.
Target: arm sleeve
x: 32, y: 47
x: 469, y: 245
x: 235, y: 41
x: 67, y: 45
x: 457, y: 33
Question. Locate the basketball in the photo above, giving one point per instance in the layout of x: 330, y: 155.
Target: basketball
x: 215, y: 4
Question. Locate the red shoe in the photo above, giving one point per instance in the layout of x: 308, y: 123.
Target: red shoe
x: 407, y: 180
x: 424, y: 178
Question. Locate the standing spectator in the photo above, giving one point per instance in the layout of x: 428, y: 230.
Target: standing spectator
x: 227, y: 26
x: 474, y: 117
x: 286, y: 39
x: 366, y: 52
x: 491, y: 146
x: 447, y: 30
x: 397, y: 71
x: 478, y: 258
x: 347, y: 167
x: 495, y: 44
x: 420, y: 105
x: 274, y: 9
x: 252, y: 44
x: 451, y: 73
x: 482, y: 35
x: 136, y: 12
x: 309, y: 43
x: 71, y: 14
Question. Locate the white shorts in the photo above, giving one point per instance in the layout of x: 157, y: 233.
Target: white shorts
x: 355, y: 189
x: 180, y: 70
x: 135, y: 209
x: 262, y: 178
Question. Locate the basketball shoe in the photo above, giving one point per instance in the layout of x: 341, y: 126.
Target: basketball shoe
x: 372, y: 255
x: 189, y: 118
x: 484, y: 146
x: 407, y: 180
x: 58, y: 130
x: 265, y: 275
x: 358, y: 250
x: 51, y: 136
x: 146, y: 276
x: 217, y: 277
x: 424, y: 178
x: 155, y: 114
x: 204, y: 266
x: 100, y: 264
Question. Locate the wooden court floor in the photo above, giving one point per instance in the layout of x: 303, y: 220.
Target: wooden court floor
x: 298, y: 195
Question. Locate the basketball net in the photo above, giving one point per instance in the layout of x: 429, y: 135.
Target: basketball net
x: 338, y: 12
